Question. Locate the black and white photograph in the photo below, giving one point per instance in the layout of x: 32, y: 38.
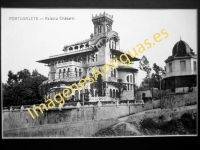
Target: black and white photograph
x: 98, y: 73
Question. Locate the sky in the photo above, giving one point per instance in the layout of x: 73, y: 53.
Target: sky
x: 23, y: 42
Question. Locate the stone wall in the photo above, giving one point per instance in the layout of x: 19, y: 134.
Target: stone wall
x: 68, y: 122
x: 178, y: 100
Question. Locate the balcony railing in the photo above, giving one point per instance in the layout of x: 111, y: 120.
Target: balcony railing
x: 96, y: 99
x: 179, y: 73
x: 112, y: 79
x: 71, y: 63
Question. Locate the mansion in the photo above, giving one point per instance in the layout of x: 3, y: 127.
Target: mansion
x: 77, y: 61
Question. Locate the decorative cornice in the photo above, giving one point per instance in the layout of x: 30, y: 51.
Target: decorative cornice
x: 102, y: 15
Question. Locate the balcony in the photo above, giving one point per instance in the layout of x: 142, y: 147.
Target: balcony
x: 112, y: 79
x: 72, y: 78
x: 71, y: 63
x: 179, y: 73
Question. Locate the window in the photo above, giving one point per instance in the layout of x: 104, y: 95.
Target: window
x: 183, y: 65
x: 68, y: 72
x: 96, y: 57
x: 63, y: 73
x: 130, y: 79
x: 59, y: 73
x: 127, y: 78
x: 110, y: 92
x: 99, y: 29
x: 133, y: 78
x: 195, y: 65
x: 108, y: 28
x: 170, y: 67
x: 114, y: 73
x: 79, y: 72
x: 113, y: 93
x: 76, y: 73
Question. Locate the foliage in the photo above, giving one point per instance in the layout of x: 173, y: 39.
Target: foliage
x: 153, y: 80
x: 144, y: 65
x: 184, y: 125
x: 22, y: 88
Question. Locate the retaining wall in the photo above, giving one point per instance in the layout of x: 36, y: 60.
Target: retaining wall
x: 68, y: 122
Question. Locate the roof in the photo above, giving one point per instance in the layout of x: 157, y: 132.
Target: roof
x: 114, y: 51
x: 60, y: 56
x: 181, y: 50
x: 76, y: 43
x: 127, y: 68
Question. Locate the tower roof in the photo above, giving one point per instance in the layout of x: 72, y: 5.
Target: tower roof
x: 102, y: 15
x: 181, y: 49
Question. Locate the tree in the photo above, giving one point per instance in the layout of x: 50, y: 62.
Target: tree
x: 153, y: 81
x: 22, y: 88
x: 121, y: 87
x: 144, y: 65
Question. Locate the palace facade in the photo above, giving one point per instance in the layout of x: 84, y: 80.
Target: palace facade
x: 77, y: 61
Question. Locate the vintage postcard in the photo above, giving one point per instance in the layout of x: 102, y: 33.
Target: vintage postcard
x: 92, y: 73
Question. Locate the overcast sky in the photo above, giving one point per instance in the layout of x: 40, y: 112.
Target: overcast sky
x: 24, y: 41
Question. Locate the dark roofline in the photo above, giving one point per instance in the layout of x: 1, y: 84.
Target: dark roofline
x: 120, y: 52
x: 63, y: 55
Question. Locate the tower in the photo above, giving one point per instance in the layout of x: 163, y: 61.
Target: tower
x: 102, y: 23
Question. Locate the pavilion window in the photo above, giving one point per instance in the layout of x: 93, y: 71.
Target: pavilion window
x: 195, y: 65
x: 183, y: 65
x: 170, y: 67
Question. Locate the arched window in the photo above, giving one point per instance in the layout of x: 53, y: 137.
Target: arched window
x: 71, y: 48
x: 114, y: 93
x: 112, y: 45
x: 76, y: 47
x: 99, y: 29
x: 130, y: 81
x: 59, y: 73
x: 76, y: 95
x: 79, y: 72
x: 68, y: 72
x: 76, y: 73
x: 114, y: 73
x: 108, y: 28
x: 63, y: 73
x: 117, y: 94
x: 110, y: 92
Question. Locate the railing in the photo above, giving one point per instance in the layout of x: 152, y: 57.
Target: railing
x: 95, y: 99
x: 112, y: 79
x: 68, y: 64
x: 72, y: 78
x: 179, y: 73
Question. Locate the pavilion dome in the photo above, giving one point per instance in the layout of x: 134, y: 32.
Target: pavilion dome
x: 181, y: 49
